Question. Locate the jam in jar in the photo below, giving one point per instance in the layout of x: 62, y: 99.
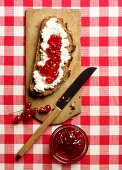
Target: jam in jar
x: 68, y: 144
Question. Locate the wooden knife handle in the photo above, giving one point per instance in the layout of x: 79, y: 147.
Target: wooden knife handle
x: 38, y: 132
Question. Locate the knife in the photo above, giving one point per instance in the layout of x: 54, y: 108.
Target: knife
x: 61, y: 103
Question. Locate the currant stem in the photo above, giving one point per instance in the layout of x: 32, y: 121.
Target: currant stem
x: 18, y: 111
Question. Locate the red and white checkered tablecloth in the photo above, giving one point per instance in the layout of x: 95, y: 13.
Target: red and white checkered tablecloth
x: 101, y: 113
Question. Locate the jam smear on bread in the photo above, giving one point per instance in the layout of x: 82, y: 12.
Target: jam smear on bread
x: 50, y: 69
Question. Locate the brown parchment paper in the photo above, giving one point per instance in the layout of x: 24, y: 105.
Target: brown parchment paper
x: 33, y: 20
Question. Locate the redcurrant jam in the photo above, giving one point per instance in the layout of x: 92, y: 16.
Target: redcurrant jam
x: 51, y: 67
x: 68, y: 144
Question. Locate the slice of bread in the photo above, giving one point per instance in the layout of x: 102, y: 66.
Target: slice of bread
x: 66, y: 71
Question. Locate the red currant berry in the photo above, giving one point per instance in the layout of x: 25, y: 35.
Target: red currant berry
x: 27, y: 111
x: 28, y: 117
x: 23, y: 117
x: 17, y: 119
x: 48, y: 108
x: 34, y: 111
x: 28, y: 105
x: 42, y: 110
x: 49, y: 80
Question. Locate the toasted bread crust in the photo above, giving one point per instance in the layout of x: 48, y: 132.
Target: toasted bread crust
x: 66, y: 70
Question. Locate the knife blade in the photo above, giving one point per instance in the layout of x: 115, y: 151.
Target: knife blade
x: 74, y: 87
x: 61, y: 103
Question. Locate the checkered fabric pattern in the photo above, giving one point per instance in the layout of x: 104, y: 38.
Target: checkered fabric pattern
x: 100, y: 118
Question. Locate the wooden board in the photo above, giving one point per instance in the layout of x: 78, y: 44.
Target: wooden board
x: 33, y: 20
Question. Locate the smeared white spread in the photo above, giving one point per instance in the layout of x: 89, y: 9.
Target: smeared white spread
x: 51, y: 27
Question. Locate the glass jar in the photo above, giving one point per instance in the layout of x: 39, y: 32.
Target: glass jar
x: 68, y: 144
